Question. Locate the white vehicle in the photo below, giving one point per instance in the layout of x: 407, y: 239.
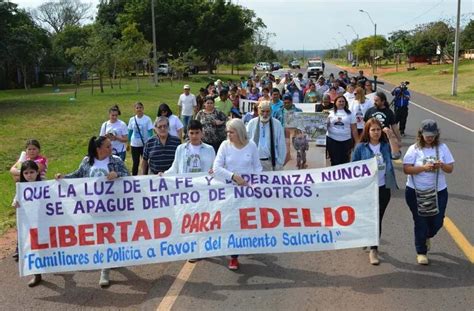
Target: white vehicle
x: 294, y: 64
x: 315, y: 68
x: 263, y: 66
x: 164, y: 69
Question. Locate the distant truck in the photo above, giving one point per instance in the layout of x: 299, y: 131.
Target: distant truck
x: 164, y: 69
x: 315, y: 67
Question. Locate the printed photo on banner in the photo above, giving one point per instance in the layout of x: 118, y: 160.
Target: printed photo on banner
x: 313, y: 124
x: 247, y: 105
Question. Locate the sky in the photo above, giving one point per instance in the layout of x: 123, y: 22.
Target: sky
x: 322, y: 24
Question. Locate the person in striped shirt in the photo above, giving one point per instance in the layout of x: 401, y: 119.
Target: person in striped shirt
x: 159, y: 151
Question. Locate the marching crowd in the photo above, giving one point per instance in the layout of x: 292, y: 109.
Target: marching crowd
x: 211, y: 132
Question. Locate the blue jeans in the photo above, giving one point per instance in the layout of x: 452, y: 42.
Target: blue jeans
x: 426, y: 227
x: 185, y: 120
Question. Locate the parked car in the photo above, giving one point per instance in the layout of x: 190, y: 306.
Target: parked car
x: 276, y: 66
x: 164, y: 69
x: 194, y: 68
x: 294, y: 64
x: 263, y: 66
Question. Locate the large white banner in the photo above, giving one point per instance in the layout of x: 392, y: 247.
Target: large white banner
x: 92, y: 223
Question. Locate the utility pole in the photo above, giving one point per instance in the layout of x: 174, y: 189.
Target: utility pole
x: 155, y: 58
x: 454, y: 91
x: 374, y: 68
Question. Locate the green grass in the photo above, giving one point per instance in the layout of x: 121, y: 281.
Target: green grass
x: 63, y: 127
x: 385, y: 63
x: 436, y: 81
x: 242, y: 69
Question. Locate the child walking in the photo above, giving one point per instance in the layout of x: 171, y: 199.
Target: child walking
x: 29, y: 172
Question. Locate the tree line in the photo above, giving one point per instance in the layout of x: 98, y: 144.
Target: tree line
x: 51, y: 43
x: 424, y: 41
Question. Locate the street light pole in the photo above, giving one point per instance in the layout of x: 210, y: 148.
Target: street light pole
x: 344, y: 40
x: 357, y: 40
x: 338, y: 46
x: 357, y: 35
x: 456, y: 52
x: 343, y: 37
x: 375, y: 38
x: 155, y: 60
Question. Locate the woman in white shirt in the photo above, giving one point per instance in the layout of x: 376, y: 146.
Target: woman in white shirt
x: 99, y: 162
x: 341, y: 130
x: 374, y: 144
x: 359, y: 106
x: 116, y: 130
x: 236, y: 156
x: 426, y: 162
x: 175, y: 124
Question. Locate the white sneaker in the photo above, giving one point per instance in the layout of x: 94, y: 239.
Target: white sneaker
x: 422, y: 259
x: 104, y: 280
x: 374, y: 257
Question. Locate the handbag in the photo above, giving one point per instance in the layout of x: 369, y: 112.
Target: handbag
x: 427, y: 200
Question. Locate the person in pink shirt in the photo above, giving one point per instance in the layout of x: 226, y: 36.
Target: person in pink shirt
x: 32, y: 152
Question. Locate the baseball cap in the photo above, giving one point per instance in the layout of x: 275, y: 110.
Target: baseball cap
x: 287, y: 97
x: 429, y: 127
x: 186, y: 87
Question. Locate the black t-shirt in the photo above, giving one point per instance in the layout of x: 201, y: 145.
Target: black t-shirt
x: 384, y: 115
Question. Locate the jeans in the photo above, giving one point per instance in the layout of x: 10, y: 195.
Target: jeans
x: 426, y: 227
x: 401, y: 115
x: 384, y: 199
x: 137, y: 152
x: 185, y: 120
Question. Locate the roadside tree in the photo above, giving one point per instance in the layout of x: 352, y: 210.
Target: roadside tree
x: 467, y: 36
x: 58, y: 15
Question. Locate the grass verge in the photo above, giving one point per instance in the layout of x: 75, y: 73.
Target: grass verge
x: 63, y: 126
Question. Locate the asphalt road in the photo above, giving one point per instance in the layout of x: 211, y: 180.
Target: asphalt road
x: 336, y: 280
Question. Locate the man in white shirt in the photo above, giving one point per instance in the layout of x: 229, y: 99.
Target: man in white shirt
x: 339, y: 90
x: 193, y: 156
x: 321, y: 86
x: 268, y: 134
x: 186, y: 104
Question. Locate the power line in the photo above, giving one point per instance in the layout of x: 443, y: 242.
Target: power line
x: 417, y: 17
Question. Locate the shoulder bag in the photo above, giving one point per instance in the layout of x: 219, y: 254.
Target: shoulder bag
x: 427, y: 200
x: 139, y: 132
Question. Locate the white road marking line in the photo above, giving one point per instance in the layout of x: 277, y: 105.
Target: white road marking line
x: 437, y: 114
